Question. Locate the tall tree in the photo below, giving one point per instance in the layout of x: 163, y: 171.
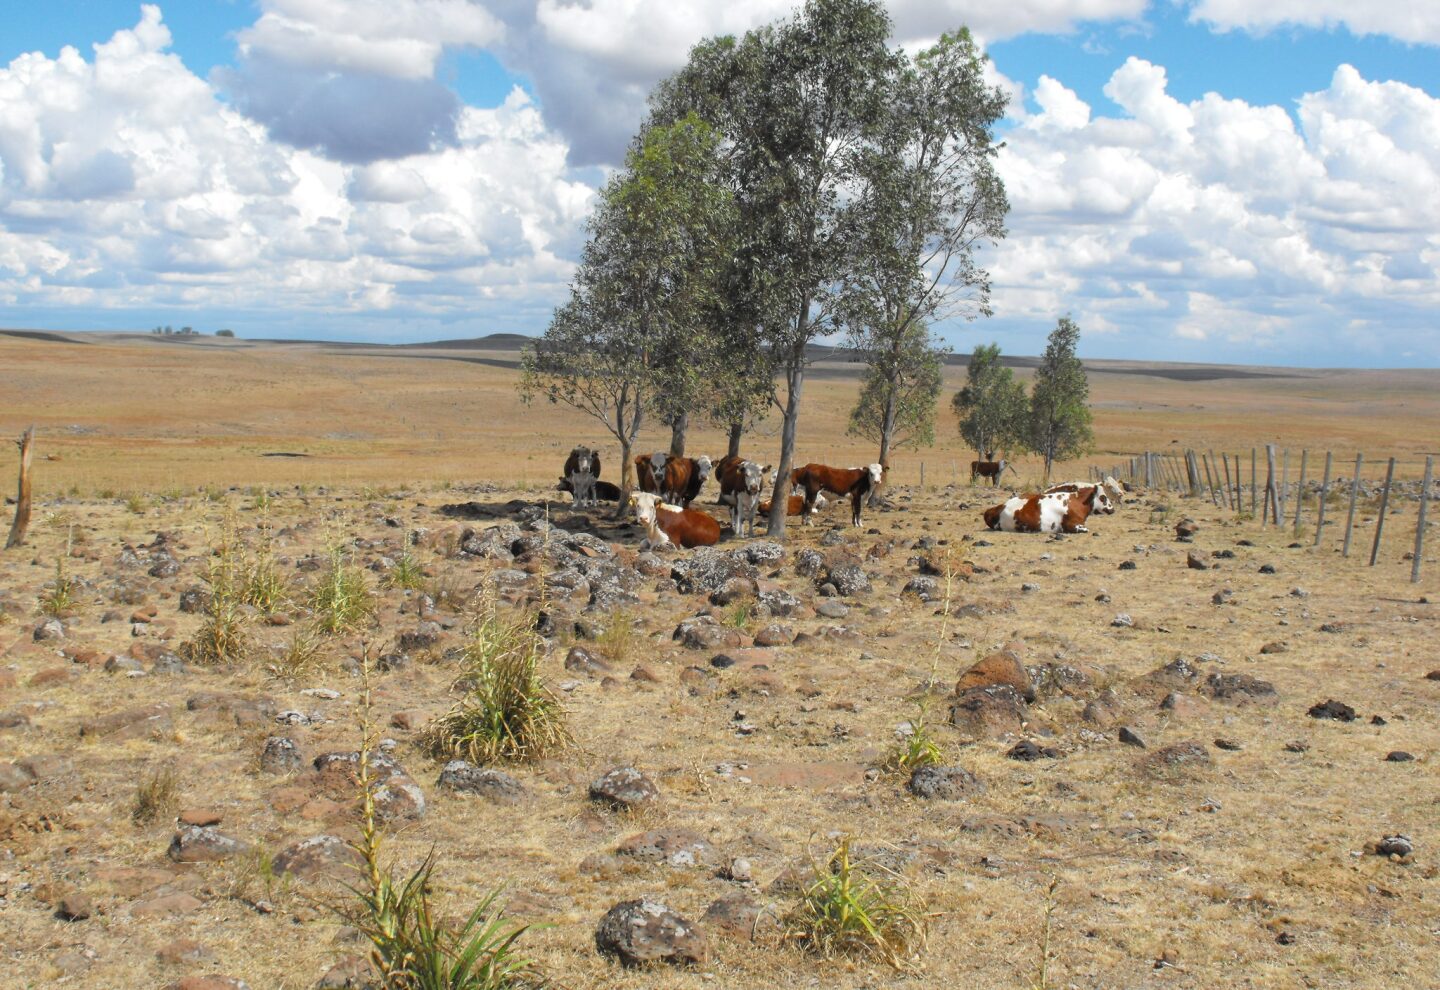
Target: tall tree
x: 929, y: 197
x: 631, y: 335
x: 991, y: 407
x: 896, y: 407
x: 1059, y: 400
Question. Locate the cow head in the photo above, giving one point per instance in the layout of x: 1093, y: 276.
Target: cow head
x: 751, y: 475
x: 702, y: 468
x: 877, y: 474
x: 657, y: 463
x: 644, y: 505
x: 992, y: 516
x: 583, y: 462
x: 1100, y: 502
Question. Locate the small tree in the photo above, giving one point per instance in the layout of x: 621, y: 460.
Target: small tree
x: 991, y: 407
x: 1059, y: 409
x: 898, y: 393
x: 224, y: 333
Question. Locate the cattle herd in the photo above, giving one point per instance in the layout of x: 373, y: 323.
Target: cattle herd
x: 669, y: 484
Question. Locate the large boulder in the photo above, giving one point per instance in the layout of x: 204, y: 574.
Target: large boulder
x: 1003, y: 667
x: 624, y: 788
x: 708, y: 569
x: 395, y: 794
x: 495, y: 786
x: 989, y: 712
x: 646, y: 931
x: 944, y: 783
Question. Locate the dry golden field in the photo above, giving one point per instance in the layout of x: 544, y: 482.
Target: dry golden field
x: 1245, y: 866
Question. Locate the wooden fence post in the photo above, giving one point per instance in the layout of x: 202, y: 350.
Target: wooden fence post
x: 1254, y: 482
x: 1324, y: 491
x: 1420, y: 522
x: 22, y: 498
x: 1147, y: 469
x: 1225, y: 461
x: 922, y: 476
x: 1280, y: 494
x: 1300, y: 491
x: 1384, y: 505
x: 1239, y: 487
x: 1271, y: 502
x: 1354, y: 494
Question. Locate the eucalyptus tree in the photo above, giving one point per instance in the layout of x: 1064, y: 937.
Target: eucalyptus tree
x: 628, y: 338
x: 1060, y: 420
x: 992, y: 407
x: 929, y: 198
x: 898, y: 392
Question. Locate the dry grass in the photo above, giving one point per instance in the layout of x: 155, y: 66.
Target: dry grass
x: 156, y: 797
x: 341, y: 600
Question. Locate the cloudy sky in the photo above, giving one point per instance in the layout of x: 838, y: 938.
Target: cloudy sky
x: 1190, y: 179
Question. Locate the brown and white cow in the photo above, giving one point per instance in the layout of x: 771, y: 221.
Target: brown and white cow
x: 671, y: 525
x: 740, y: 483
x: 855, y: 482
x: 794, y: 505
x: 604, y: 491
x: 1057, y: 512
x: 683, y: 479
x: 582, y: 470
x: 990, y: 470
x: 650, y: 470
x: 1111, y: 493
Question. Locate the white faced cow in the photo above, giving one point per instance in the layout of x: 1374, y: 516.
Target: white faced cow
x: 740, y: 483
x: 582, y: 468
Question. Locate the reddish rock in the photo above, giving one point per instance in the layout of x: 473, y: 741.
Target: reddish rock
x: 410, y: 720
x: 183, y: 950
x: 735, y: 916
x: 998, y: 668
x: 165, y: 906
x: 75, y: 906
x: 989, y: 712
x: 201, y: 817
x: 50, y: 675
x: 318, y: 856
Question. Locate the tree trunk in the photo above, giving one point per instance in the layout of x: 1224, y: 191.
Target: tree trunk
x: 22, y: 498
x: 735, y: 430
x: 678, y: 429
x: 627, y: 459
x: 887, y: 436
x: 780, y: 497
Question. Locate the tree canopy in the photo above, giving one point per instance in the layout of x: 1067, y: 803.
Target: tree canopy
x: 991, y: 407
x: 1060, y: 420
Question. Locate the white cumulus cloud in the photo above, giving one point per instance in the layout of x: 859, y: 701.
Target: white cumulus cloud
x: 1407, y: 20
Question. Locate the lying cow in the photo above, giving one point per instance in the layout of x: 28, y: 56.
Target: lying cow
x: 650, y: 470
x: 740, y: 482
x: 1056, y: 512
x: 794, y: 505
x: 684, y: 477
x: 855, y: 482
x: 582, y: 470
x: 670, y: 525
x: 1111, y: 494
x: 604, y: 490
x: 990, y: 470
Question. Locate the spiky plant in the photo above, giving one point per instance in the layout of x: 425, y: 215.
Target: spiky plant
x: 341, y: 600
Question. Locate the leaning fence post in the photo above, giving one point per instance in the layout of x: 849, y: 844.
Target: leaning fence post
x: 21, y: 522
x: 1300, y: 490
x: 1225, y: 462
x: 1324, y: 490
x: 1384, y: 504
x: 1271, y: 501
x: 1354, y: 494
x: 1420, y: 522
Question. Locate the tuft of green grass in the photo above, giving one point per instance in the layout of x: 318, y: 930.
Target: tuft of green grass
x: 616, y: 641
x: 157, y: 796
x: 850, y: 909
x: 507, y: 711
x: 740, y: 614
x: 341, y: 600
x: 222, y: 637
x: 411, y: 947
x: 59, y: 597
x: 919, y: 748
x: 406, y: 573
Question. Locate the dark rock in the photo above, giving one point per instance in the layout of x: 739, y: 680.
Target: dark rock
x: 75, y: 906
x: 1130, y: 737
x: 736, y: 916
x: 624, y: 788
x: 1127, y: 565
x: 675, y: 847
x: 1267, y: 568
x: 1399, y: 846
x: 194, y: 844
x: 50, y: 629
x: 1028, y: 752
x: 1196, y: 561
x: 280, y: 755
x: 1186, y: 529
x: 809, y: 563
x: 832, y: 610
x: 1186, y: 755
x: 1238, y: 688
x: 775, y: 635
x: 778, y: 602
x: 583, y: 661
x: 1279, y: 646
x: 944, y: 783
x: 1104, y: 710
x: 1332, y: 709
x: 646, y: 931
x: 707, y: 569
x: 988, y: 712
x: 318, y: 856
x: 396, y: 795
x: 849, y: 579
x: 495, y: 786
x: 1229, y: 745
x: 193, y: 601
x: 1398, y: 756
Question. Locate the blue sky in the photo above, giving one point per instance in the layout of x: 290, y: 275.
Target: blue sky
x: 1190, y: 179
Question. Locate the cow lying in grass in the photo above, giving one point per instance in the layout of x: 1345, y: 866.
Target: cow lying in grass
x: 605, y: 491
x: 855, y: 482
x: 794, y: 505
x: 672, y: 525
x: 1056, y: 512
x: 1110, y: 493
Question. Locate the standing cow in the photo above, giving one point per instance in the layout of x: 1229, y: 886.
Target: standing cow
x: 855, y: 482
x: 650, y: 471
x: 582, y: 469
x: 990, y: 470
x: 683, y: 477
x: 740, y: 482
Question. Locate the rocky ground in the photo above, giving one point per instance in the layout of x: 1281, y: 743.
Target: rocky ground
x: 1206, y: 763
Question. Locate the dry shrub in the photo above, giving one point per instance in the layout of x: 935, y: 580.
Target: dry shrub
x: 305, y: 656
x: 156, y: 797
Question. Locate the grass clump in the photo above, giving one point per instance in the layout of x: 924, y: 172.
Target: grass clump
x: 222, y: 637
x: 136, y: 504
x: 406, y: 573
x: 305, y: 656
x: 341, y: 600
x: 59, y: 597
x: 919, y: 748
x: 507, y: 711
x: 616, y: 640
x: 854, y: 909
x: 156, y: 797
x: 411, y: 947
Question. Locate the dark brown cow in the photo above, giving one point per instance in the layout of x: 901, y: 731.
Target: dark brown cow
x: 604, y: 490
x: 990, y: 470
x: 669, y: 524
x: 683, y: 479
x: 1057, y: 512
x: 582, y: 469
x: 855, y: 482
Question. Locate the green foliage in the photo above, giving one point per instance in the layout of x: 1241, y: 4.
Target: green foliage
x: 849, y: 908
x: 1060, y: 417
x: 412, y: 947
x: 507, y: 711
x: 225, y: 333
x: 406, y: 573
x: 991, y: 407
x: 341, y: 599
x: 898, y: 392
x: 59, y: 597
x: 919, y: 748
x: 222, y: 638
x: 136, y: 504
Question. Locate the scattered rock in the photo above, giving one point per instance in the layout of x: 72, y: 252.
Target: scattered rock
x: 1130, y: 737
x: 1229, y: 745
x: 1186, y: 529
x: 1122, y: 620
x: 989, y: 712
x: 944, y: 783
x: 1398, y: 756
x: 1178, y: 756
x: 1332, y: 709
x: 1003, y: 667
x: 318, y: 856
x: 280, y: 755
x: 646, y: 931
x: 194, y: 844
x: 1394, y: 846
x: 1196, y: 561
x: 735, y: 916
x: 495, y: 786
x: 624, y: 788
x: 675, y: 847
x: 1028, y: 751
x: 75, y: 906
x: 1238, y: 688
x: 396, y: 794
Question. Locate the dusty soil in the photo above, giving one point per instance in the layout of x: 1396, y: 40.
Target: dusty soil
x: 1244, y: 866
